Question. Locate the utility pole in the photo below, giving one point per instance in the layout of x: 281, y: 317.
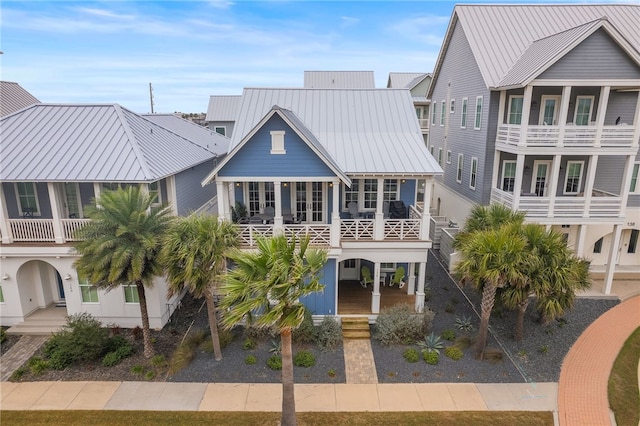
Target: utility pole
x: 151, y: 97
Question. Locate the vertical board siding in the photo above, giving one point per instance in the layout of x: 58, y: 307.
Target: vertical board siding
x: 408, y: 192
x: 190, y: 193
x: 10, y: 199
x: 323, y: 303
x: 608, y: 174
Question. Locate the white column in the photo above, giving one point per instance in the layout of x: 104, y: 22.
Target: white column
x: 602, y: 111
x: 335, y: 214
x: 517, y: 185
x: 222, y: 202
x: 378, y: 226
x: 97, y: 190
x: 526, y: 110
x: 278, y: 222
x: 375, y: 297
x: 420, y: 292
x: 501, y: 107
x: 496, y: 170
x: 626, y: 182
x: 588, y: 186
x: 411, y: 279
x: 4, y: 217
x: 636, y: 123
x: 582, y: 232
x: 231, y: 189
x: 426, y: 215
x: 611, y: 263
x: 564, y: 112
x: 555, y: 177
x: 172, y: 198
x: 54, y: 200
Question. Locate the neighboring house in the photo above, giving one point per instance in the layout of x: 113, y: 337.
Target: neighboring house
x: 418, y: 84
x: 334, y: 164
x: 54, y: 159
x: 221, y: 114
x: 544, y: 118
x: 13, y: 98
x: 339, y: 80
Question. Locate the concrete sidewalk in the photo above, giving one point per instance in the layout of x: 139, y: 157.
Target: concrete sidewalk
x: 162, y: 396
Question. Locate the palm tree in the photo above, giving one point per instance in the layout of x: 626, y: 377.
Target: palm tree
x: 194, y: 257
x: 121, y: 244
x: 270, y: 282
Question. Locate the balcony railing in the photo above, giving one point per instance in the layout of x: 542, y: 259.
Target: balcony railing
x: 357, y: 229
x: 574, y: 136
x: 31, y: 230
x: 424, y: 123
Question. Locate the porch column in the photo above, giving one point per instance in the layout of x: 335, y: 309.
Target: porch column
x: 278, y: 222
x: 97, y: 190
x: 411, y: 279
x: 378, y: 226
x: 501, y: 107
x: 611, y: 263
x: 496, y: 171
x: 517, y: 184
x: 375, y: 297
x: 626, y: 181
x: 426, y: 215
x: 4, y: 216
x: 582, y: 232
x: 221, y: 193
x: 335, y: 214
x: 420, y: 293
x: 54, y: 200
x: 588, y: 186
x: 526, y: 110
x: 555, y: 178
x: 564, y: 112
x: 602, y: 111
x: 636, y: 123
x: 171, y: 194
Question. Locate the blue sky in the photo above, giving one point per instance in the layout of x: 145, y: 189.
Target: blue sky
x: 110, y: 51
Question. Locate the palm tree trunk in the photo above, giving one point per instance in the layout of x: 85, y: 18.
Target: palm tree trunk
x: 288, y: 396
x: 146, y: 333
x: 213, y: 325
x: 488, y: 299
x: 518, y: 333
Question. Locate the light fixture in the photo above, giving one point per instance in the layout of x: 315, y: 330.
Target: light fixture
x: 238, y: 184
x: 403, y: 181
x: 67, y: 277
x: 5, y: 277
x: 527, y: 168
x: 330, y: 184
x: 285, y: 184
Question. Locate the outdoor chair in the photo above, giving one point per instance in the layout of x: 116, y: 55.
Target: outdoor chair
x: 397, y: 277
x: 366, y: 276
x: 353, y: 210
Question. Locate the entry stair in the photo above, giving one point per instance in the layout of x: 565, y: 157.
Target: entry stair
x: 355, y: 328
x: 43, y: 322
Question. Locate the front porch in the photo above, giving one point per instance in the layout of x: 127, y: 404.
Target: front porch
x: 42, y: 322
x: 353, y: 299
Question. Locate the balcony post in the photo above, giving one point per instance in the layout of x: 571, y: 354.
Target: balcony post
x: 582, y: 232
x: 420, y: 292
x: 496, y: 170
x: 54, y: 200
x: 611, y: 263
x: 555, y: 178
x: 626, y: 182
x: 526, y: 110
x: 501, y: 107
x: 636, y: 124
x: 588, y: 187
x: 411, y: 279
x: 517, y: 184
x: 602, y: 112
x: 564, y: 112
x: 335, y: 214
x: 4, y: 216
x: 172, y: 197
x: 278, y: 222
x: 222, y: 200
x: 426, y: 215
x: 378, y: 226
x: 375, y: 297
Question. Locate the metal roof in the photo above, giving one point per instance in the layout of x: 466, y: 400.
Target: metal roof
x: 339, y: 80
x: 405, y: 80
x: 91, y: 143
x: 366, y: 131
x: 203, y: 136
x: 499, y: 35
x: 223, y: 108
x: 14, y: 97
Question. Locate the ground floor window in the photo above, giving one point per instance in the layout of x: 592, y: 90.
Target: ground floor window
x: 508, y: 175
x: 597, y: 247
x: 131, y: 293
x: 88, y: 291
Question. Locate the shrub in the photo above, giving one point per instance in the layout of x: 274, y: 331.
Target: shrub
x: 449, y: 335
x: 331, y: 372
x: 3, y: 335
x: 453, y: 352
x: 158, y: 361
x: 256, y: 333
x: 250, y: 360
x: 399, y: 325
x: 432, y: 343
x: 304, y: 359
x: 329, y: 334
x: 116, y: 342
x: 37, y: 365
x: 449, y: 308
x: 411, y: 355
x: 138, y: 370
x: 427, y: 320
x: 150, y: 375
x: 249, y: 344
x: 17, y: 375
x: 274, y: 362
x: 306, y: 332
x: 493, y: 355
x: 185, y: 353
x: 81, y: 339
x: 114, y: 357
x: 463, y: 342
x: 226, y: 337
x: 431, y: 358
x: 276, y: 348
x: 464, y: 324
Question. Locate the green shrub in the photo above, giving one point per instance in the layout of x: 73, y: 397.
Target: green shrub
x: 3, y: 335
x: 331, y: 372
x: 115, y: 342
x: 432, y: 343
x: 304, y: 359
x: 276, y: 347
x: 138, y: 370
x: 159, y: 361
x: 411, y: 355
x: 329, y: 334
x: 306, y: 332
x: 249, y: 344
x: 81, y: 339
x: 17, y: 375
x: 453, y: 352
x: 150, y: 375
x: 449, y: 335
x: 250, y: 360
x: 399, y: 324
x: 431, y: 358
x: 185, y: 353
x: 274, y: 362
x: 37, y: 365
x: 111, y: 359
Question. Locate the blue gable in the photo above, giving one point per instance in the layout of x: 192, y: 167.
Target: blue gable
x: 255, y: 158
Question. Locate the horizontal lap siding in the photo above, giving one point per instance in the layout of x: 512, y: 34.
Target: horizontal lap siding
x: 623, y: 105
x: 190, y: 194
x: 609, y: 176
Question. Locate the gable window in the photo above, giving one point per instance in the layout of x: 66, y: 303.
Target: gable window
x: 635, y: 188
x: 433, y: 116
x: 508, y: 175
x: 442, y: 111
x: 597, y: 247
x: 474, y: 173
x: 478, y: 119
x: 583, y: 110
x: 448, y: 156
x: 277, y: 142
x: 440, y: 156
x: 452, y: 106
x: 221, y: 130
x: 154, y: 193
x: 515, y: 109
x: 351, y: 194
x: 573, y: 178
x: 633, y: 241
x: 27, y: 198
x: 463, y: 118
x: 88, y: 291
x: 131, y: 293
x: 460, y: 166
x: 390, y: 190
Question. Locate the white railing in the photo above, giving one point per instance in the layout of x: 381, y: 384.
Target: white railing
x: 402, y: 229
x: 534, y: 206
x: 574, y: 136
x: 415, y: 213
x: 249, y: 233
x: 70, y: 228
x: 605, y: 207
x: 357, y: 229
x: 320, y: 234
x: 424, y: 123
x: 40, y: 230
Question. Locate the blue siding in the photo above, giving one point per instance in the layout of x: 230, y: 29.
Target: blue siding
x: 189, y: 192
x: 255, y: 159
x: 324, y: 303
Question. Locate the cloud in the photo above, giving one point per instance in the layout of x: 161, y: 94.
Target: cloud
x: 348, y: 21
x: 104, y: 13
x: 429, y: 29
x: 220, y: 4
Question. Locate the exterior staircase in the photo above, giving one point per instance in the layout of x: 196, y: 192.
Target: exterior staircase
x: 42, y: 322
x: 355, y: 328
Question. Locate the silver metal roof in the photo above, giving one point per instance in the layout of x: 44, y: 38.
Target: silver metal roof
x: 203, y: 136
x: 91, y: 143
x: 500, y: 34
x: 366, y: 131
x: 14, y: 97
x: 339, y: 80
x: 404, y: 80
x: 223, y: 108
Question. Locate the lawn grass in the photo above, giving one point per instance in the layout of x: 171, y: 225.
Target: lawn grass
x: 139, y: 418
x: 624, y: 398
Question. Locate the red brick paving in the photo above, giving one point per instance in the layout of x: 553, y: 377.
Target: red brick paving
x: 582, y: 391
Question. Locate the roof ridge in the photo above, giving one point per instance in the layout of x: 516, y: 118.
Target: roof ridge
x: 133, y: 140
x: 143, y: 116
x: 592, y: 22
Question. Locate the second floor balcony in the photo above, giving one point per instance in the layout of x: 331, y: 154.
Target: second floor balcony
x: 620, y: 136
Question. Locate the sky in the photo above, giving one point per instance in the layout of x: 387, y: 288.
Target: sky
x: 106, y: 52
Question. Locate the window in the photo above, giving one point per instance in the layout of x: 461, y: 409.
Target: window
x: 442, y: 111
x: 633, y: 241
x: 474, y: 173
x: 440, y: 156
x: 154, y: 192
x: 460, y: 166
x: 351, y: 194
x: 432, y: 148
x: 478, y: 120
x: 277, y: 142
x: 27, y: 198
x: 452, y: 106
x: 387, y: 266
x: 88, y: 291
x: 448, y: 156
x: 131, y: 293
x: 463, y: 118
x: 597, y: 247
x: 573, y: 178
x: 508, y: 175
x: 433, y: 116
x: 419, y: 112
x: 515, y: 109
x: 635, y: 188
x: 221, y: 130
x: 583, y: 110
x: 370, y: 193
x: 390, y: 190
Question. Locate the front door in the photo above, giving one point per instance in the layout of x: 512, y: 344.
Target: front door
x: 549, y: 108
x: 309, y: 202
x: 349, y: 269
x: 60, y: 287
x: 540, y: 177
x: 259, y: 196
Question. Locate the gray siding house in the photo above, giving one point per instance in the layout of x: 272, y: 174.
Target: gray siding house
x: 418, y: 84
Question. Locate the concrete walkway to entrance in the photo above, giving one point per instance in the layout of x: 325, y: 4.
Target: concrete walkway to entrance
x: 19, y: 354
x: 360, y: 367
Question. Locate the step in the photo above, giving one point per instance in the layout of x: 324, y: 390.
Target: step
x: 34, y: 329
x: 355, y: 328
x: 356, y: 334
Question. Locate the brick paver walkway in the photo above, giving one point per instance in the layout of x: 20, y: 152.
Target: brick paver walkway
x: 582, y: 391
x: 19, y: 354
x: 360, y: 368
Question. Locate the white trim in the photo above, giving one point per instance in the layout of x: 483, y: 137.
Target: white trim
x: 566, y: 177
x: 594, y: 82
x: 472, y: 173
x: 575, y: 108
x: 75, y: 185
x: 464, y: 113
x: 433, y: 114
x: 460, y: 168
x: 477, y: 115
x: 635, y: 174
x: 511, y: 99
x: 277, y: 142
x: 448, y: 160
x: 556, y: 110
x: 501, y: 183
x: 224, y: 130
x: 443, y: 110
x: 83, y: 282
x: 452, y: 106
x: 124, y: 294
x: 534, y: 176
x: 37, y: 212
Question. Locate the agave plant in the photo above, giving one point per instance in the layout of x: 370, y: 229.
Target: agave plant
x: 464, y: 324
x: 432, y: 343
x: 276, y: 348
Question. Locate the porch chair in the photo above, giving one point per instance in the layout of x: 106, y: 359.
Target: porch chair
x: 385, y: 209
x: 353, y: 210
x: 366, y: 276
x: 398, y: 277
x: 269, y: 213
